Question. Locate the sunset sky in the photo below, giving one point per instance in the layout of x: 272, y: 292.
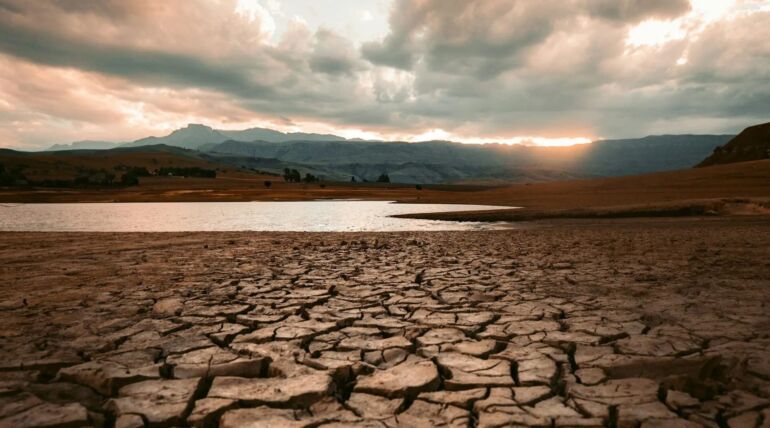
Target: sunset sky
x: 545, y: 71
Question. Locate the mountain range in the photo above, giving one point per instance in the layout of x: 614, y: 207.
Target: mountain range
x: 337, y: 158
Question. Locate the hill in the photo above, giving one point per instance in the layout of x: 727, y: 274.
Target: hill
x: 336, y: 158
x: 197, y: 136
x: 745, y: 185
x: 448, y: 162
x: 83, y: 145
x: 62, y: 168
x: 751, y: 144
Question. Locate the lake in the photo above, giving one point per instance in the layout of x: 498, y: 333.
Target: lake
x: 306, y: 216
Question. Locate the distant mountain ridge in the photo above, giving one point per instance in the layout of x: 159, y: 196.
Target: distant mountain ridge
x: 337, y: 158
x: 751, y: 144
x: 83, y: 145
x: 442, y: 161
x: 194, y: 136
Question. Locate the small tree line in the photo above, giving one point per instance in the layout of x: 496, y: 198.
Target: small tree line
x: 383, y: 178
x: 294, y: 176
x: 98, y: 177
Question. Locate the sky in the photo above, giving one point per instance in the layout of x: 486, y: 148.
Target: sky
x: 548, y: 72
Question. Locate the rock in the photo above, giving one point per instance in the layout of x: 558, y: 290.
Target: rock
x: 741, y: 401
x: 214, y: 361
x: 262, y: 417
x: 386, y: 359
x: 632, y: 414
x: 467, y: 372
x: 367, y: 344
x: 748, y: 419
x: 481, y: 348
x: 511, y: 417
x: 658, y: 346
x: 554, y: 408
x: 590, y: 376
x: 296, y: 392
x: 404, y: 380
x: 373, y: 406
x: 207, y: 411
x: 17, y: 403
x: 64, y: 393
x: 669, y: 423
x: 631, y: 392
x: 168, y: 307
x: 500, y: 399
x: 49, y: 415
x: 44, y: 362
x: 110, y: 373
x: 678, y: 400
x: 302, y: 330
x: 129, y: 421
x: 462, y: 399
x: 424, y: 414
x: 438, y: 336
x: 532, y: 366
x: 160, y: 402
x: 327, y: 410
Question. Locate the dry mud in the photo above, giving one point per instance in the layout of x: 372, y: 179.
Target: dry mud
x: 571, y: 324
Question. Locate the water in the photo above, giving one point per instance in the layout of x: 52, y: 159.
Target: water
x: 307, y: 216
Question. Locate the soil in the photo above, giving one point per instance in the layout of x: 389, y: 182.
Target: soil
x: 658, y: 322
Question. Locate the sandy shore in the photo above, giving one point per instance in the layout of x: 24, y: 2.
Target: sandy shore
x: 573, y: 323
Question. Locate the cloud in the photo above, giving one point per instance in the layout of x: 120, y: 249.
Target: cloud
x: 333, y: 54
x: 478, y: 68
x: 634, y: 10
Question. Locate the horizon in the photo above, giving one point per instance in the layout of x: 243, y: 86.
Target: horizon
x: 551, y: 73
x: 523, y: 141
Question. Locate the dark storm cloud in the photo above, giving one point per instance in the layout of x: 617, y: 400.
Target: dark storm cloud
x: 475, y: 67
x: 136, y: 64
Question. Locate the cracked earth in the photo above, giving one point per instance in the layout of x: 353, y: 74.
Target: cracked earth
x: 575, y: 324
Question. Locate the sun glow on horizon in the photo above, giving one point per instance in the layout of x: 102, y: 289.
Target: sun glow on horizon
x: 440, y: 134
x: 429, y: 135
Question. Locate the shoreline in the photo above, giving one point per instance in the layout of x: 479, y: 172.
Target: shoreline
x: 706, y: 208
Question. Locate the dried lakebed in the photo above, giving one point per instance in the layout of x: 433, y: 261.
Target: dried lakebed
x: 580, y: 324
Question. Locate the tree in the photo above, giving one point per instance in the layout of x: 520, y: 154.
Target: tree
x: 128, y: 179
x: 383, y: 178
x: 291, y: 175
x: 352, y: 179
x: 310, y: 178
x: 418, y: 187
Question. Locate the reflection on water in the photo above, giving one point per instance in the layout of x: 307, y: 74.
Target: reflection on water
x: 308, y: 216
